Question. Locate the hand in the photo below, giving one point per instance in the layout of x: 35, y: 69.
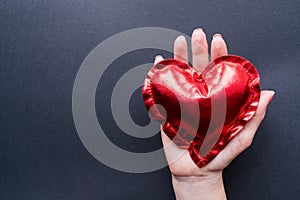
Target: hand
x: 191, y: 182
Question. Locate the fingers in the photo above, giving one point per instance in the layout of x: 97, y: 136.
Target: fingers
x: 199, y: 49
x: 180, y: 49
x: 218, y: 47
x: 244, y: 139
x: 157, y: 59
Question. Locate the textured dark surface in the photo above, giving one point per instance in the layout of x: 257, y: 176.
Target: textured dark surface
x: 42, y: 45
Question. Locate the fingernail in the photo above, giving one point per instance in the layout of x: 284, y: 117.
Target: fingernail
x: 180, y: 37
x: 217, y: 35
x: 198, y: 30
x: 272, y: 94
x: 217, y: 41
x: 157, y: 59
x: 197, y: 34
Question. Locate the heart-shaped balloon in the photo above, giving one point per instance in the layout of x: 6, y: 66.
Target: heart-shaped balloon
x: 202, y: 112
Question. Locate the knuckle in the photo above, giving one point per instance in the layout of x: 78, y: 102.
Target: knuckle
x: 245, y: 142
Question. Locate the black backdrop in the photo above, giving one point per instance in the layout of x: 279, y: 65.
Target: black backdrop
x: 43, y: 44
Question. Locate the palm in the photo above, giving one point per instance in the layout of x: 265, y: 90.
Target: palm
x: 179, y: 160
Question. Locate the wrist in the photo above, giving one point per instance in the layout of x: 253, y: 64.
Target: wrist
x: 199, y: 187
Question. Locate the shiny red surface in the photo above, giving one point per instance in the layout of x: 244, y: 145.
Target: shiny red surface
x: 226, y: 93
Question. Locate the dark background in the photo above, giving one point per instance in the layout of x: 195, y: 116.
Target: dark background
x: 43, y: 44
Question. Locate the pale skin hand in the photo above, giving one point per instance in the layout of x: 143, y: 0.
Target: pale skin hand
x: 189, y: 181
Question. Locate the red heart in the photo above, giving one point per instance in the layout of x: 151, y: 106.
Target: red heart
x: 202, y: 112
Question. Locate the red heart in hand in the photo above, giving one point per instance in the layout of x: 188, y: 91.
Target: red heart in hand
x: 202, y: 112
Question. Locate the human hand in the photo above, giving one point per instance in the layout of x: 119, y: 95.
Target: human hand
x: 190, y: 181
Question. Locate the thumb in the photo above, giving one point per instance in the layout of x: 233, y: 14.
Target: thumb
x: 244, y: 139
x: 265, y: 99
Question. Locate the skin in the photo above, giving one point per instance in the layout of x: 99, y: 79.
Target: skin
x: 189, y: 181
